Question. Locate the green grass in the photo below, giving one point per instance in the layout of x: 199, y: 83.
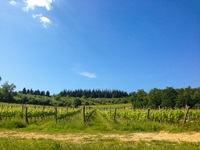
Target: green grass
x: 99, y: 144
x: 13, y: 124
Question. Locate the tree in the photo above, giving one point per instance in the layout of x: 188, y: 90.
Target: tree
x: 7, y: 91
x: 31, y: 92
x: 133, y: 99
x: 180, y: 99
x: 42, y: 93
x: 77, y: 102
x: 48, y: 93
x: 0, y: 91
x: 24, y: 91
x: 168, y: 97
x: 196, y: 97
x: 141, y: 99
x: 154, y: 98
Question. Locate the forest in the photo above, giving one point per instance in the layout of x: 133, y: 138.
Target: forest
x: 156, y: 98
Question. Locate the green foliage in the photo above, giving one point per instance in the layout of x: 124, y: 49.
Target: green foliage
x: 13, y: 124
x: 166, y: 98
x: 94, y: 93
x: 154, y: 98
x: 77, y: 102
x: 7, y: 92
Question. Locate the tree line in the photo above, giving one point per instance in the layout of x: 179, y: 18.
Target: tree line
x: 35, y: 92
x: 94, y: 93
x: 155, y: 98
x: 166, y: 98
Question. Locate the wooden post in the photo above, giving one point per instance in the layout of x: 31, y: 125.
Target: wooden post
x: 56, y: 113
x: 22, y: 112
x: 66, y: 109
x: 133, y: 107
x: 186, y: 114
x: 26, y: 115
x: 110, y: 112
x: 148, y: 113
x: 84, y: 113
x: 115, y: 111
x: 43, y: 107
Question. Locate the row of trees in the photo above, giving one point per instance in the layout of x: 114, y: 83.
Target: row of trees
x: 168, y: 97
x: 36, y: 92
x: 94, y: 93
x: 155, y: 98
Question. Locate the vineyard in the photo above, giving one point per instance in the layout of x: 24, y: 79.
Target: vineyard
x: 32, y: 113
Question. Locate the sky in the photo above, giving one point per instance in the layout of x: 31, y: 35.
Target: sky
x: 100, y: 44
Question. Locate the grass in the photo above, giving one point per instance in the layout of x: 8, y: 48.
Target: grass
x: 13, y: 124
x: 100, y: 144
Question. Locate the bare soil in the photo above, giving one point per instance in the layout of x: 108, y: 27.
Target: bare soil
x: 89, y: 138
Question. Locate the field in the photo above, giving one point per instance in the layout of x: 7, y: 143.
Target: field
x: 97, y: 127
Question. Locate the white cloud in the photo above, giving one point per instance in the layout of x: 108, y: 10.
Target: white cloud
x: 38, y: 15
x: 26, y: 5
x: 87, y: 74
x: 31, y: 4
x: 45, y: 21
x: 12, y: 3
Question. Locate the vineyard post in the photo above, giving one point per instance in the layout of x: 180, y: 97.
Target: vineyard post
x: 66, y: 109
x: 148, y: 113
x: 43, y: 116
x: 110, y: 112
x: 115, y: 110
x: 186, y: 114
x: 22, y: 111
x: 26, y: 115
x: 34, y: 115
x: 56, y: 113
x: 43, y: 107
x: 83, y: 113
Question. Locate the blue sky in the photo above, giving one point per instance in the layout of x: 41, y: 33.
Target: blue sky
x: 100, y: 44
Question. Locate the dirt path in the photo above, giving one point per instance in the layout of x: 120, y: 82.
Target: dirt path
x: 88, y: 138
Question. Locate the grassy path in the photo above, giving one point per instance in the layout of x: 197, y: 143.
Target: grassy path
x: 98, y: 122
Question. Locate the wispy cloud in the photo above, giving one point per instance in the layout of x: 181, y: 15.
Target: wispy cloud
x: 27, y: 5
x: 78, y: 69
x: 88, y: 74
x: 31, y: 4
x: 44, y: 20
x: 37, y: 15
x: 13, y: 3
